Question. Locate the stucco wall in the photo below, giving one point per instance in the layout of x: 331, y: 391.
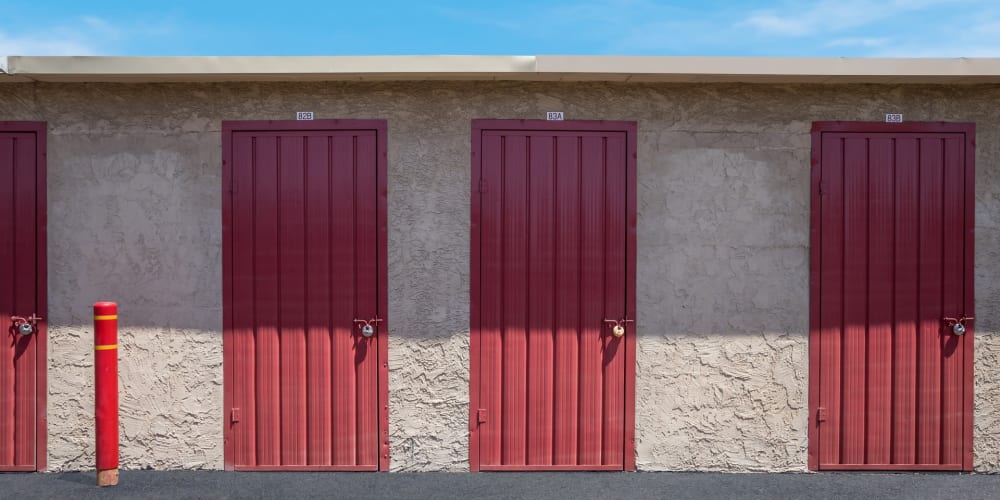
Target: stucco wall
x: 134, y: 211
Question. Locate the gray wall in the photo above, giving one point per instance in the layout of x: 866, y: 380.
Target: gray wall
x: 135, y: 216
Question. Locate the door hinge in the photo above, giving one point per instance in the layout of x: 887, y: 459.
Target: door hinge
x: 482, y: 185
x: 821, y: 414
x: 481, y: 416
x: 234, y: 415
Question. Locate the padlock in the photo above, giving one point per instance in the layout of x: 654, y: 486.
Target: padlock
x: 25, y: 328
x: 367, y: 330
x: 958, y: 324
x: 618, y: 330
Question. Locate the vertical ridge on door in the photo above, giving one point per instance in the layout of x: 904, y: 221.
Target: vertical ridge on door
x: 244, y: 316
x: 907, y: 248
x: 266, y: 301
x: 931, y: 242
x: 953, y: 300
x: 878, y: 423
x: 344, y: 262
x: 831, y: 299
x: 613, y: 359
x: 8, y: 400
x: 855, y: 300
x: 592, y: 313
x: 291, y: 234
x: 567, y: 309
x: 318, y: 301
x: 514, y: 299
x: 491, y: 341
x: 541, y: 299
x: 25, y: 276
x: 365, y: 175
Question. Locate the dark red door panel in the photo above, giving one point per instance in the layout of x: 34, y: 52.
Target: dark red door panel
x: 304, y: 384
x: 551, y: 262
x: 22, y: 272
x: 892, y: 260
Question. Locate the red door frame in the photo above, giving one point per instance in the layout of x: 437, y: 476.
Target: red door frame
x: 818, y: 128
x: 380, y: 128
x: 478, y: 127
x: 41, y: 291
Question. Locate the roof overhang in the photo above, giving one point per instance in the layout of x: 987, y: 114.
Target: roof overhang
x: 518, y: 68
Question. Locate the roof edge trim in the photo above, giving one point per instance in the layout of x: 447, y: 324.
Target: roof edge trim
x: 530, y: 68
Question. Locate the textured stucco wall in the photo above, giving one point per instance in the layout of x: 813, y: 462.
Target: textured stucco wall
x: 134, y: 211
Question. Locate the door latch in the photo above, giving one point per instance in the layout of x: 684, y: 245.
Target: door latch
x: 618, y: 326
x: 25, y: 326
x: 367, y: 326
x: 958, y: 324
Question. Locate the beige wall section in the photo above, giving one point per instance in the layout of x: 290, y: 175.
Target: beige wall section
x: 134, y: 211
x: 722, y: 289
x: 134, y: 217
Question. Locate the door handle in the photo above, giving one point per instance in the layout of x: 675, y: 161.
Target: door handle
x: 958, y: 324
x: 25, y: 326
x: 618, y: 326
x: 367, y: 326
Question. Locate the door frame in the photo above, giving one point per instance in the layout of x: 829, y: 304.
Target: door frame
x: 818, y: 129
x: 229, y: 127
x: 478, y: 127
x: 41, y: 289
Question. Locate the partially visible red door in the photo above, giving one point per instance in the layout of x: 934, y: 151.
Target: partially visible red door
x: 305, y: 270
x: 22, y: 273
x: 553, y: 273
x: 892, y: 249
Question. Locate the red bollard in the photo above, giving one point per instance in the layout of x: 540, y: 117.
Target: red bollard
x: 106, y: 391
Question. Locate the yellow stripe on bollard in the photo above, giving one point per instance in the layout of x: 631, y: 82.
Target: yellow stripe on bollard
x: 105, y: 347
x: 106, y: 316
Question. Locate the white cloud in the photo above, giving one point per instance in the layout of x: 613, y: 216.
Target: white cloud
x: 852, y: 28
x: 83, y: 37
x: 970, y: 33
x: 857, y: 42
x: 44, y: 45
x: 613, y: 26
x: 773, y: 24
x: 824, y: 16
x: 101, y: 27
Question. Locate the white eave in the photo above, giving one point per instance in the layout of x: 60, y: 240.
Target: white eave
x: 484, y: 68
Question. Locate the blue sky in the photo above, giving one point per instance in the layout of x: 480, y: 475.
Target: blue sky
x: 903, y: 28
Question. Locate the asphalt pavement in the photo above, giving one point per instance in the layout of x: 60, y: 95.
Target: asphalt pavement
x: 574, y: 485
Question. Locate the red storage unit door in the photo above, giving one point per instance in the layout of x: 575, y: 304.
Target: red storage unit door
x: 305, y: 387
x: 552, y: 386
x: 892, y: 259
x: 22, y: 272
